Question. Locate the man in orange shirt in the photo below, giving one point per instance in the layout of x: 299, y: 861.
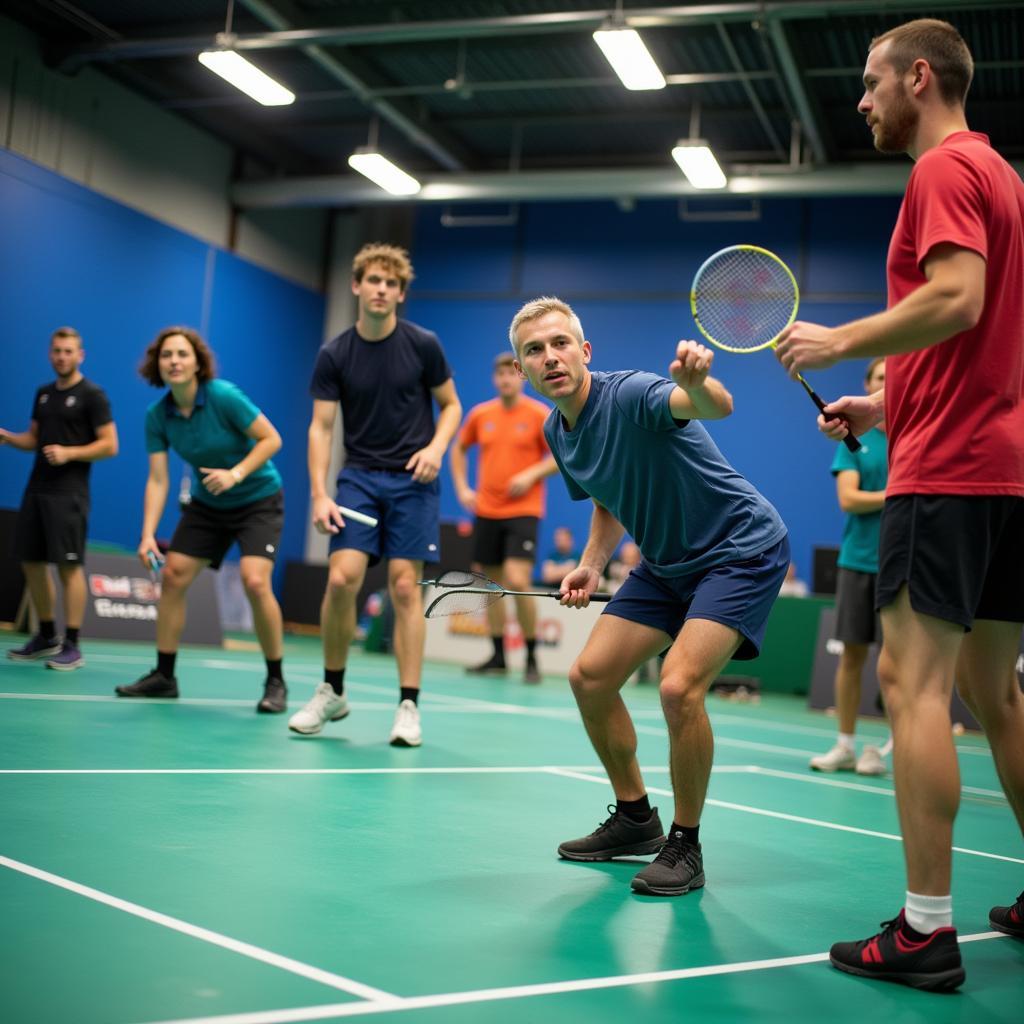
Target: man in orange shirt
x: 508, y: 501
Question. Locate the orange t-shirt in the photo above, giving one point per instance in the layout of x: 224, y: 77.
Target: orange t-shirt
x: 510, y: 440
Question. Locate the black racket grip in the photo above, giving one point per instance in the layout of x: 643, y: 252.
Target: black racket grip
x: 850, y: 441
x: 593, y: 597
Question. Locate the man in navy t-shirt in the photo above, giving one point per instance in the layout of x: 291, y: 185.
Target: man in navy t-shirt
x: 385, y: 373
x: 714, y: 552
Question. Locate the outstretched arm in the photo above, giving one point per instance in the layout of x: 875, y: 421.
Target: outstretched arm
x: 698, y: 396
x: 26, y: 441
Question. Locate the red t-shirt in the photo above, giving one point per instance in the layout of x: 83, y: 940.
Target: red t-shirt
x: 955, y: 411
x: 510, y: 440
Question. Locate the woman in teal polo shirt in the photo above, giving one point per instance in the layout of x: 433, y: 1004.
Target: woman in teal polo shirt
x: 236, y: 496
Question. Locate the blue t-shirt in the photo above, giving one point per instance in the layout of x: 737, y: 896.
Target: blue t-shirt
x: 384, y: 390
x: 663, y: 479
x: 859, y: 549
x: 213, y: 436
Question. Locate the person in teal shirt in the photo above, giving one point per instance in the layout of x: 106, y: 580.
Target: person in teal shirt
x: 860, y: 484
x: 236, y: 496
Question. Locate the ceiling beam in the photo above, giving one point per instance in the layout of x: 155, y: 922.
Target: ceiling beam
x: 797, y: 91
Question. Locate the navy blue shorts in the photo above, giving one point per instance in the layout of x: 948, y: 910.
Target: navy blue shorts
x: 740, y: 595
x: 408, y: 514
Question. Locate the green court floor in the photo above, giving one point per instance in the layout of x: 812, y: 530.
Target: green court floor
x: 191, y: 861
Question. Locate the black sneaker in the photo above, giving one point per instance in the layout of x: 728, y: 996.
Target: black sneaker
x: 933, y: 964
x: 275, y: 697
x: 491, y: 667
x: 617, y: 836
x: 1009, y: 919
x: 678, y: 868
x: 156, y: 684
x: 531, y: 674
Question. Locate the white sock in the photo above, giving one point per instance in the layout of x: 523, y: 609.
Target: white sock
x: 848, y: 740
x: 926, y: 913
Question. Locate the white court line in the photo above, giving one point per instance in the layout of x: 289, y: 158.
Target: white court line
x: 460, y: 770
x: 331, y: 1011
x: 782, y: 816
x: 265, y: 956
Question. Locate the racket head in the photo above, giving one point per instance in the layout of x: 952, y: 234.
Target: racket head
x: 461, y: 602
x: 743, y: 297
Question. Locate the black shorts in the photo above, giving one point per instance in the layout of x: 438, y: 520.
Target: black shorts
x: 206, y: 532
x: 494, y: 540
x: 960, y: 556
x: 856, y: 618
x: 51, y: 528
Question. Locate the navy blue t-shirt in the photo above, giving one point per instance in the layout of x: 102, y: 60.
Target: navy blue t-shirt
x: 664, y: 480
x: 384, y: 390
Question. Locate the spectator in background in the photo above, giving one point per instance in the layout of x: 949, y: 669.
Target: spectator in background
x: 792, y: 585
x: 71, y: 428
x: 508, y: 501
x: 622, y: 564
x: 562, y: 559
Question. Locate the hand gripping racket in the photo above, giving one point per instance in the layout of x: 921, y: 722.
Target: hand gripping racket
x: 466, y: 592
x: 742, y: 299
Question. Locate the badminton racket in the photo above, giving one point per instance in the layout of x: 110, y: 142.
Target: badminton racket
x: 359, y: 517
x: 466, y: 592
x: 156, y: 563
x: 742, y: 299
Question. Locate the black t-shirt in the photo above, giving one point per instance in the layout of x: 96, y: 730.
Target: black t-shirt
x: 384, y: 390
x: 68, y: 417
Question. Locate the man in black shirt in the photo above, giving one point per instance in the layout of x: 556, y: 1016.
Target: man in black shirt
x: 386, y: 374
x: 71, y: 428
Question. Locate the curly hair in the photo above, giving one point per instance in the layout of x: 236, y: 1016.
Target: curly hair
x: 393, y: 258
x: 149, y: 368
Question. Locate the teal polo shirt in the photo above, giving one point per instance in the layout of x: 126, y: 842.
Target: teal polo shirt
x: 859, y: 549
x: 213, y: 436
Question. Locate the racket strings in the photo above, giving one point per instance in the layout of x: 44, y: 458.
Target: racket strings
x: 743, y: 299
x: 461, y: 602
x: 461, y: 578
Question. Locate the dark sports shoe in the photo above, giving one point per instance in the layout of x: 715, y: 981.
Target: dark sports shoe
x: 1009, y: 919
x: 155, y: 684
x: 933, y: 964
x: 491, y: 667
x: 617, y: 836
x: 678, y: 868
x: 531, y: 674
x: 275, y: 697
x: 68, y: 659
x: 36, y: 648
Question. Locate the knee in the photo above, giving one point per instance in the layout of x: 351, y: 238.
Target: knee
x: 341, y: 585
x: 516, y: 579
x: 405, y: 591
x: 173, y: 578
x: 256, y: 584
x: 888, y: 683
x: 681, y: 693
x: 586, y: 683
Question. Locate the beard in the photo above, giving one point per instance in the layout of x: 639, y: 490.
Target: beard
x: 896, y: 131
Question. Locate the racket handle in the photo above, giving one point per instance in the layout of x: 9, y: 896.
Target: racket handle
x: 593, y: 597
x: 850, y: 441
x: 359, y: 517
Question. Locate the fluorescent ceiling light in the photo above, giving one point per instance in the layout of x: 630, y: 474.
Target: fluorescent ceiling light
x: 234, y: 68
x: 629, y: 58
x: 698, y: 163
x: 381, y: 171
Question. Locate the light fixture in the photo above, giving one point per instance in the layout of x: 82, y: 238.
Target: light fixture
x: 242, y: 74
x: 629, y: 58
x: 698, y: 163
x: 381, y: 171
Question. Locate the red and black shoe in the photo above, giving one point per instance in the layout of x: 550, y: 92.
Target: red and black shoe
x: 1009, y: 919
x: 932, y: 963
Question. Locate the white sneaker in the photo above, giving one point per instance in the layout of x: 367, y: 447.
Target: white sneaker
x: 838, y: 759
x: 325, y: 706
x: 406, y: 731
x: 871, y: 762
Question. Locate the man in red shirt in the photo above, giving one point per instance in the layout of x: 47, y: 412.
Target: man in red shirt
x: 508, y: 502
x: 952, y: 538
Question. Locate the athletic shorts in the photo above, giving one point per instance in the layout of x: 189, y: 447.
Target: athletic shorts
x: 51, y: 528
x: 856, y: 618
x: 959, y: 555
x: 408, y: 515
x: 494, y: 540
x: 739, y: 595
x: 206, y: 532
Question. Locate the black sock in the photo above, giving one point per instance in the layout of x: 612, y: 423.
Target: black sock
x: 71, y: 635
x: 274, y: 668
x: 410, y: 693
x: 336, y: 677
x: 499, y: 649
x: 690, y: 835
x: 165, y: 663
x: 635, y: 810
x: 47, y: 629
x: 531, y: 651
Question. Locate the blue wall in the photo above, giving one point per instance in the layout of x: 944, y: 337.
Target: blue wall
x: 627, y: 275
x: 70, y: 256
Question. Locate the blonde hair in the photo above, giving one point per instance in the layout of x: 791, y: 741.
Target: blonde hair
x: 393, y: 258
x: 66, y: 332
x: 537, y: 308
x: 941, y: 45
